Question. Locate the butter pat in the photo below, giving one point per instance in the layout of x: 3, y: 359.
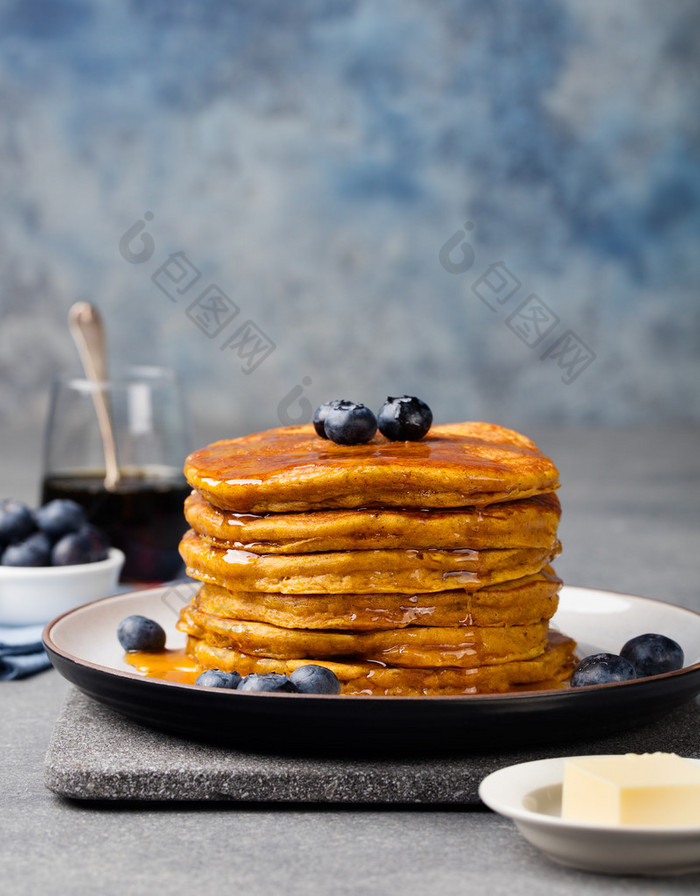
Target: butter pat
x: 653, y: 789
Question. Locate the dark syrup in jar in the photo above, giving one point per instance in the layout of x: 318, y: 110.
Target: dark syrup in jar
x: 143, y: 517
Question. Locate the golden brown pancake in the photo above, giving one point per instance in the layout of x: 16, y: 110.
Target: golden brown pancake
x: 531, y: 522
x: 547, y: 670
x: 521, y: 602
x: 336, y: 572
x: 460, y: 646
x: 293, y: 469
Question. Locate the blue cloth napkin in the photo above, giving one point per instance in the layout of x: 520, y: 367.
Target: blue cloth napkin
x: 22, y: 652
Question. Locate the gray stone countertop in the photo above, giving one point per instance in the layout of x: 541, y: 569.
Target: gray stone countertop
x: 631, y: 523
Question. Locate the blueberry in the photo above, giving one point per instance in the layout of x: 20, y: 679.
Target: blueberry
x: 33, y: 551
x: 71, y: 550
x: 99, y: 542
x: 140, y: 633
x: 267, y: 681
x: 59, y: 517
x: 16, y: 521
x: 215, y: 678
x: 602, y: 668
x: 321, y: 413
x: 315, y: 680
x: 404, y: 419
x: 350, y: 424
x: 653, y: 654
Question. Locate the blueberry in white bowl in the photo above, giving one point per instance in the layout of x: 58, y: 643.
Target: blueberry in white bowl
x: 56, y: 534
x: 99, y: 542
x: 60, y: 517
x: 72, y: 549
x: 35, y: 550
x: 16, y: 521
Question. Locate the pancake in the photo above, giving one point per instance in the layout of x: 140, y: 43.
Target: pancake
x: 341, y: 572
x: 459, y: 646
x: 521, y: 602
x: 531, y: 522
x: 547, y: 670
x: 293, y: 469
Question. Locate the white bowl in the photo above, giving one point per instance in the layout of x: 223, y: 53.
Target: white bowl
x: 530, y: 795
x: 35, y: 594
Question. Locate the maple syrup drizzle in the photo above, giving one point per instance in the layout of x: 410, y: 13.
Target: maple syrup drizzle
x: 167, y: 665
x: 254, y: 459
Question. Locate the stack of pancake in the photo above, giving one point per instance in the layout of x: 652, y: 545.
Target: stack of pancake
x: 408, y: 568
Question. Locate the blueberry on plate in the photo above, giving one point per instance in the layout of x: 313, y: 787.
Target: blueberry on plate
x: 404, y: 419
x: 72, y: 549
x: 653, y: 654
x: 270, y: 682
x: 16, y: 521
x: 350, y: 423
x: 33, y: 551
x: 140, y: 633
x: 313, y: 679
x: 602, y: 668
x: 215, y: 678
x: 59, y: 517
x: 321, y: 412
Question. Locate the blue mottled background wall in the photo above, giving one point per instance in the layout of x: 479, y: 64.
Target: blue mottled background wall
x: 309, y: 160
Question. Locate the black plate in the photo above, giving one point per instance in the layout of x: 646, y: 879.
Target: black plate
x: 83, y: 646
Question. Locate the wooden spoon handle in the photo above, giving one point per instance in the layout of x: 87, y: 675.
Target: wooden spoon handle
x: 86, y: 328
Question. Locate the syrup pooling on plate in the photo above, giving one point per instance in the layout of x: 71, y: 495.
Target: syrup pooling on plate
x: 167, y: 665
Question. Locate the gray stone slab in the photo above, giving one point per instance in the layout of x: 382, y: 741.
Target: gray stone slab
x: 95, y: 754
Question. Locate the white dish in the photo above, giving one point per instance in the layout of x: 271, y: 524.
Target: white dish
x: 84, y: 648
x: 530, y: 795
x: 32, y: 595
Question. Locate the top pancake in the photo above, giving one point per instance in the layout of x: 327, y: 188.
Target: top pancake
x: 293, y: 469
